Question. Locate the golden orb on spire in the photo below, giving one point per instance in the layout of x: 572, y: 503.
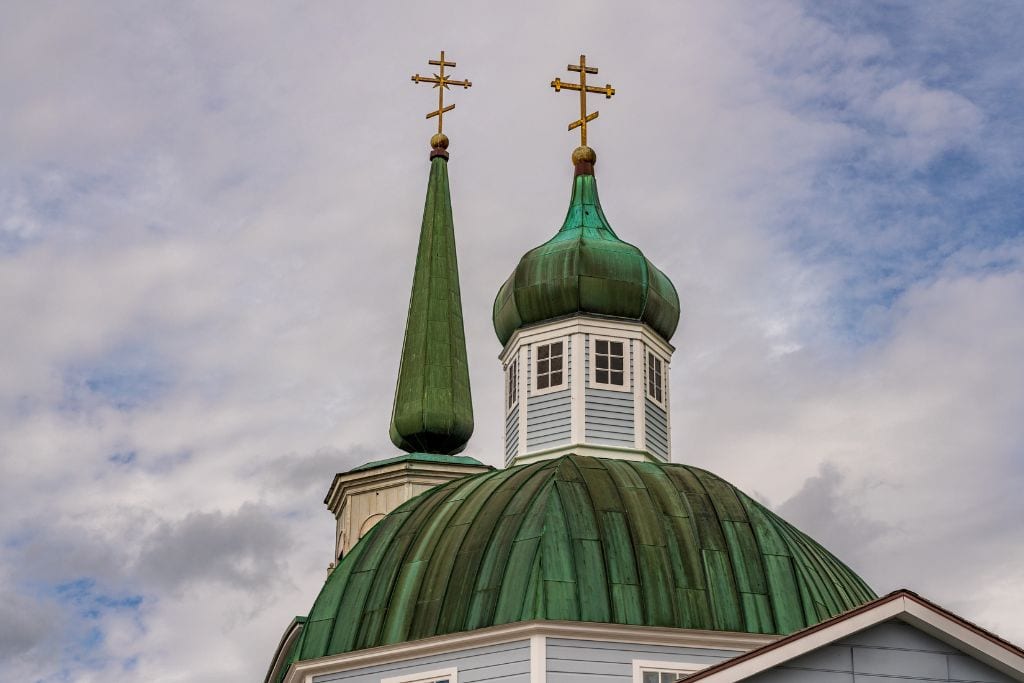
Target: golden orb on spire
x: 584, y: 154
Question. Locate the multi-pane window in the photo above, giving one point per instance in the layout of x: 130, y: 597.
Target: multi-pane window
x: 663, y: 672
x: 550, y: 359
x: 655, y: 377
x: 512, y: 385
x: 653, y: 676
x: 609, y: 362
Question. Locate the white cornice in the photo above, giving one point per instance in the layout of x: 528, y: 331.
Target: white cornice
x: 590, y: 324
x: 394, y: 475
x: 304, y: 671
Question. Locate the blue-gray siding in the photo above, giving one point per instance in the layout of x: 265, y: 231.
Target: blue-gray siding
x: 508, y: 663
x: 548, y: 420
x: 890, y: 651
x: 587, y: 661
x: 511, y: 433
x: 656, y: 429
x: 609, y: 417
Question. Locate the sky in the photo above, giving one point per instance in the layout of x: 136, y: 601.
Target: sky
x: 208, y: 221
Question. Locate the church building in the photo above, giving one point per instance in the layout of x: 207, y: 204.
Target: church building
x: 591, y: 556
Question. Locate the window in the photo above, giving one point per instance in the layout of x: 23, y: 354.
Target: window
x: 550, y: 359
x: 512, y: 385
x: 609, y: 363
x: 657, y: 676
x: 442, y: 676
x: 655, y: 378
x: 663, y: 672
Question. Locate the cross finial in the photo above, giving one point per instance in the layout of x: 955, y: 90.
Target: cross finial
x: 441, y: 81
x: 583, y: 89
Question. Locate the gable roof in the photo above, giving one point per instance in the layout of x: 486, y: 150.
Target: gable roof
x: 902, y: 604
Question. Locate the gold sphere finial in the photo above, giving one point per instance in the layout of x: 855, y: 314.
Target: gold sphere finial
x: 584, y: 154
x: 439, y: 141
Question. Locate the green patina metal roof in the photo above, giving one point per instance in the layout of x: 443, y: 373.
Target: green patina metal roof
x: 435, y: 458
x: 585, y: 268
x: 578, y: 539
x: 433, y: 409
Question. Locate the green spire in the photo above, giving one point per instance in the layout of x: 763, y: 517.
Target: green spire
x: 433, y: 410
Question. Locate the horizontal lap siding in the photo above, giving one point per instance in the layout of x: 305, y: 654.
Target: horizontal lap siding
x: 657, y: 429
x: 548, y: 420
x: 576, y: 661
x: 507, y: 662
x: 512, y: 434
x: 609, y: 417
x: 889, y: 651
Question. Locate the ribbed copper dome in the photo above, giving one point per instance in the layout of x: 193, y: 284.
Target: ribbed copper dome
x: 578, y: 539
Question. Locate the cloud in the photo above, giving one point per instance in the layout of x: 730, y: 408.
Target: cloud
x: 208, y: 218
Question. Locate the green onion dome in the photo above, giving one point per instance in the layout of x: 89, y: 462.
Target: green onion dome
x: 578, y: 539
x: 585, y: 268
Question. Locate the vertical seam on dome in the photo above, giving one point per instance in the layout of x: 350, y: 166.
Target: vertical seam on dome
x: 597, y: 520
x: 504, y: 476
x: 400, y: 563
x: 744, y: 500
x: 543, y: 492
x: 732, y: 571
x: 629, y: 525
x: 538, y: 470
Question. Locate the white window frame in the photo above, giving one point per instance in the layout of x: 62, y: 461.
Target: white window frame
x: 683, y: 668
x: 627, y: 371
x: 648, y: 352
x: 451, y: 674
x: 512, y: 384
x: 565, y: 366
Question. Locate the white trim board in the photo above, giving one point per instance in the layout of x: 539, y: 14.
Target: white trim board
x: 902, y: 605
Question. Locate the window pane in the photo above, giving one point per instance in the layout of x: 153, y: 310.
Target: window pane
x: 601, y: 346
x: 556, y: 363
x: 602, y: 362
x: 542, y: 381
x: 617, y: 378
x: 616, y: 363
x: 669, y: 676
x: 556, y: 379
x: 650, y: 677
x: 556, y: 349
x: 601, y: 376
x: 542, y: 351
x: 616, y: 348
x: 657, y: 394
x: 542, y: 366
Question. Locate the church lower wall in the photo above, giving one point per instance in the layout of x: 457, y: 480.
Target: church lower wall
x: 505, y: 662
x: 578, y: 661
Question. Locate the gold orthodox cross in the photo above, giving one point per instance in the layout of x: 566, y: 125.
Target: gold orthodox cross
x: 583, y: 89
x: 441, y: 82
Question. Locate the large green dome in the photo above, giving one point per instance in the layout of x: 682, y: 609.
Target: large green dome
x: 578, y: 539
x: 585, y: 268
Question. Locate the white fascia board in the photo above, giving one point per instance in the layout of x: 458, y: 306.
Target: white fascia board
x: 304, y: 671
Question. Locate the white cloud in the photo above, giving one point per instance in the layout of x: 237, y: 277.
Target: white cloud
x: 226, y: 198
